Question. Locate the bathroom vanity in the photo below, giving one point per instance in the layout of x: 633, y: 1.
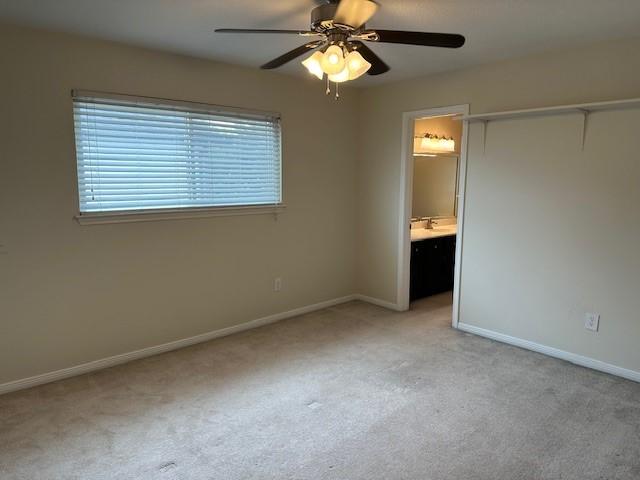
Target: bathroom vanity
x: 432, y: 261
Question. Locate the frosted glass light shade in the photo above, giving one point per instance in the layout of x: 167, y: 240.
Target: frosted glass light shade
x: 312, y: 63
x: 333, y: 60
x: 356, y: 64
x: 340, y: 77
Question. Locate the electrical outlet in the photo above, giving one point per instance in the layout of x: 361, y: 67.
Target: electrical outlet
x: 591, y: 321
x: 277, y: 284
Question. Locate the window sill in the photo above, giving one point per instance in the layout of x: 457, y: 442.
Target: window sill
x: 175, y: 214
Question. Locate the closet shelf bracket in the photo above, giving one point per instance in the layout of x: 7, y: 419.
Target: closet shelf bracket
x: 485, y: 124
x: 585, y: 121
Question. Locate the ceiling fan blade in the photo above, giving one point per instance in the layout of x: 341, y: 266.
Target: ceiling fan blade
x: 355, y: 13
x: 251, y: 30
x: 287, y: 57
x: 428, y: 39
x: 377, y: 65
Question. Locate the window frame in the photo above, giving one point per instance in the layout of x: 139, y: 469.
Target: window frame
x: 155, y: 214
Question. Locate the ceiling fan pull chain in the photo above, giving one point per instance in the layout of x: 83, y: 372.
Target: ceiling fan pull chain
x: 337, y: 92
x: 328, y: 86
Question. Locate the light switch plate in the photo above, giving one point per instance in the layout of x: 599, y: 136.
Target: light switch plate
x: 591, y: 321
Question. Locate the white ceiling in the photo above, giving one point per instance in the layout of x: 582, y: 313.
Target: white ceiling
x: 495, y: 29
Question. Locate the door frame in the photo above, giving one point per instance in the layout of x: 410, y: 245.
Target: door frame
x: 406, y: 191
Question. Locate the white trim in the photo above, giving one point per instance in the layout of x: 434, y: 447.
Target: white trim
x: 378, y: 302
x: 404, y: 217
x: 166, y: 347
x: 100, y: 218
x: 461, y: 204
x: 406, y: 190
x: 555, y: 110
x: 553, y: 352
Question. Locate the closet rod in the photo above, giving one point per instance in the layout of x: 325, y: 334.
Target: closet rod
x: 555, y: 110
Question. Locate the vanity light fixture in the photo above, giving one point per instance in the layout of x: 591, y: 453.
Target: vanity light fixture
x: 434, y: 143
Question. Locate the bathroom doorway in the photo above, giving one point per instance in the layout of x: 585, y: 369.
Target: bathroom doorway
x: 433, y: 179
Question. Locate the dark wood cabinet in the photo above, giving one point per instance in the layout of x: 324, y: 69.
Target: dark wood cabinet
x: 432, y: 266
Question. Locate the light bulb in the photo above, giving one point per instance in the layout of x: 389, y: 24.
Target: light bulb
x: 313, y: 64
x: 429, y: 144
x: 341, y: 76
x: 356, y: 64
x: 332, y: 61
x: 451, y: 144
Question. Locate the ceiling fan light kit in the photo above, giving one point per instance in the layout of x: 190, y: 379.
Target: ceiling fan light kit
x: 336, y: 65
x: 340, y: 53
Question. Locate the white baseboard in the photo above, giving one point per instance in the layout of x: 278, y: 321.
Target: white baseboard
x: 553, y: 352
x: 377, y: 301
x: 165, y: 347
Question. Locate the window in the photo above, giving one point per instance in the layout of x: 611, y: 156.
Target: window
x: 143, y: 155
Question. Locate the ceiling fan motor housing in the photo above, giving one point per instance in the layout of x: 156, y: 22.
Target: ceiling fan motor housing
x: 322, y: 17
x: 322, y: 22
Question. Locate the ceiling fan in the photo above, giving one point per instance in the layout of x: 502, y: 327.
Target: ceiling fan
x: 339, y: 51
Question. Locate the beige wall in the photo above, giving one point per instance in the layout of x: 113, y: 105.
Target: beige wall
x: 71, y: 294
x: 552, y: 231
x: 513, y: 281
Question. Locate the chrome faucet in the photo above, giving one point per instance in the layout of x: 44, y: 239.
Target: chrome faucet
x: 430, y: 222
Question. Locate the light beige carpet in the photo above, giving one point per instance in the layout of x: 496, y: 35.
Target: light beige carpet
x: 350, y: 392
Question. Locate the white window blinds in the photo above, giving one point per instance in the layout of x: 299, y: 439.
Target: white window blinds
x: 142, y: 155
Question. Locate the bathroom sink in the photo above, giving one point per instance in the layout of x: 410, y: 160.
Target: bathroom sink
x: 424, y: 233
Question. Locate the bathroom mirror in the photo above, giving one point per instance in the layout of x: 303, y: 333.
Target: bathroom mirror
x: 435, y: 182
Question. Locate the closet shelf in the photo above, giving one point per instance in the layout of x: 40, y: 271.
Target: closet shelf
x: 583, y: 108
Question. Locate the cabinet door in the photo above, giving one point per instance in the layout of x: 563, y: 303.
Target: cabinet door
x: 445, y: 264
x: 423, y: 256
x: 432, y: 266
x: 449, y: 272
x: 435, y: 266
x: 416, y: 286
